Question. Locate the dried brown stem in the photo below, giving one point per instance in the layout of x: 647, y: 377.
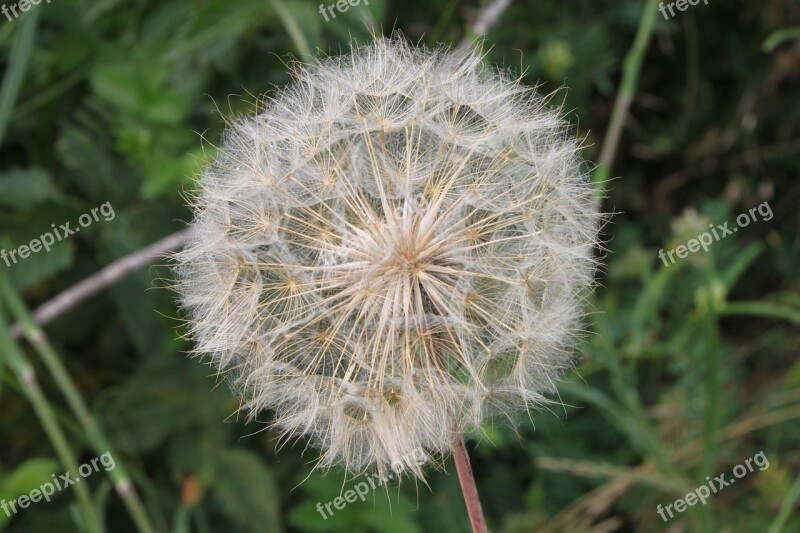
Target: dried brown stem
x: 111, y: 274
x: 488, y: 17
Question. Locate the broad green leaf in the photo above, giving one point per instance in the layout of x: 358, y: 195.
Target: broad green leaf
x: 30, y: 475
x: 38, y: 230
x: 379, y: 510
x: 25, y: 187
x: 247, y: 490
x: 153, y: 404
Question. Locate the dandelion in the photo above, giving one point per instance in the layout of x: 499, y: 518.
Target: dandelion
x: 395, y: 249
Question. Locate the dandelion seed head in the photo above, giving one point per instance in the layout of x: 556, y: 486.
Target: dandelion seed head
x: 398, y: 243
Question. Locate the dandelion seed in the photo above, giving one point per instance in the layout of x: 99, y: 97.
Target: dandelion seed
x: 398, y: 244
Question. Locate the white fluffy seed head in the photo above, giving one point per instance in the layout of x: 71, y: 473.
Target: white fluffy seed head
x: 397, y: 246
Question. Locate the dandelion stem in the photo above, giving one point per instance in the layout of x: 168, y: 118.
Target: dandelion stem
x: 468, y: 487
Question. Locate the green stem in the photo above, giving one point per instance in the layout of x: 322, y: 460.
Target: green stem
x: 26, y: 375
x: 94, y: 433
x: 294, y: 30
x: 714, y: 382
x: 779, y: 523
x: 441, y: 24
x: 17, y: 66
x: 631, y: 69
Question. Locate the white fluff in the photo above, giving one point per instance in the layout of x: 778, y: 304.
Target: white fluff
x: 396, y: 247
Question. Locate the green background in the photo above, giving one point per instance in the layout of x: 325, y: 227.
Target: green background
x: 687, y: 370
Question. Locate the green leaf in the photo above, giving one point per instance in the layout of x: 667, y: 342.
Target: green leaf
x: 212, y: 29
x: 153, y: 404
x: 180, y: 521
x: 290, y: 22
x: 164, y: 177
x: 247, y: 490
x: 21, y: 188
x: 14, y: 74
x: 741, y: 262
x: 139, y: 89
x: 37, y: 226
x: 30, y: 475
x: 762, y: 309
x: 778, y: 37
x: 138, y: 305
x: 84, y: 151
x: 42, y: 266
x: 380, y: 511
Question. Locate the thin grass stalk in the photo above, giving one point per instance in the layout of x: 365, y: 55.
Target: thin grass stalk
x: 26, y: 375
x: 631, y: 70
x: 94, y: 433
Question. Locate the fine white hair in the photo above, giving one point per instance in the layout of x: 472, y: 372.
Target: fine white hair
x: 397, y: 246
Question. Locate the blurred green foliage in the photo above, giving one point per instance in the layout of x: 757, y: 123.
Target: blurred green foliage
x: 689, y: 370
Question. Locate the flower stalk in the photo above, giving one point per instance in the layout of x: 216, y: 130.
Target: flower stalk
x: 468, y: 486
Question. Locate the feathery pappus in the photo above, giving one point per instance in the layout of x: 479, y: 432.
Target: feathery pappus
x: 396, y: 246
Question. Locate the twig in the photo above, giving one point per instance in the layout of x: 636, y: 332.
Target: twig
x: 95, y: 283
x: 488, y: 17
